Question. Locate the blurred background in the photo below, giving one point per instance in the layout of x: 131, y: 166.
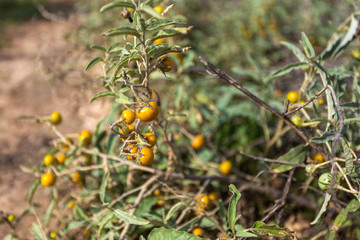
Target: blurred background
x: 44, y: 48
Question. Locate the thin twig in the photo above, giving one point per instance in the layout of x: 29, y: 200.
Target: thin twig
x: 271, y: 160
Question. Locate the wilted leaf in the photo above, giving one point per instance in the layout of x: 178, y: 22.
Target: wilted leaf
x: 349, y: 164
x: 232, y: 206
x: 323, y: 208
x: 271, y: 229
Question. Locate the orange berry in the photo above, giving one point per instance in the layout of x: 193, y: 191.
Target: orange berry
x: 48, y: 179
x: 49, y: 160
x: 214, y: 196
x: 151, y: 138
x: 160, y: 203
x: 197, y: 231
x: 77, y: 178
x: 157, y: 193
x: 159, y: 41
x: 198, y: 142
x: 148, y: 114
x: 320, y: 101
x: 319, y: 158
x: 85, y: 137
x: 71, y: 204
x: 60, y: 158
x: 166, y: 64
x: 147, y: 156
x: 129, y: 116
x: 226, y: 167
x: 203, y: 201
x: 133, y: 150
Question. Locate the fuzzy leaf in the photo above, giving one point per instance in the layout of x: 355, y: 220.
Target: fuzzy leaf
x: 349, y: 164
x: 102, y: 94
x: 103, y: 186
x: 169, y: 234
x: 323, y: 208
x: 298, y: 53
x: 116, y: 4
x: 128, y: 218
x: 173, y: 210
x: 272, y: 230
x: 328, y: 136
x: 232, y: 206
x: 289, y: 68
x: 165, y: 33
x: 307, y: 45
x: 295, y: 155
x: 93, y: 62
x: 122, y: 31
x: 159, y: 24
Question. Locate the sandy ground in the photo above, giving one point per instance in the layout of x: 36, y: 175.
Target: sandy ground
x: 40, y: 71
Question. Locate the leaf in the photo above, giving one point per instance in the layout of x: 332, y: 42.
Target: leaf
x: 271, y: 229
x: 122, y: 31
x: 232, y: 206
x: 170, y: 234
x: 350, y: 105
x: 98, y: 47
x: 323, y: 208
x: 328, y: 136
x: 222, y: 211
x: 289, y: 68
x: 307, y: 46
x: 49, y: 211
x: 79, y: 213
x: 349, y: 164
x: 295, y: 155
x: 102, y: 94
x: 37, y: 232
x: 165, y: 33
x: 93, y: 62
x: 157, y: 49
x: 353, y: 206
x: 151, y: 11
x: 173, y: 210
x: 103, y: 220
x: 340, y: 219
x: 298, y: 53
x: 32, y: 190
x: 128, y: 218
x: 116, y: 4
x: 348, y: 38
x: 103, y: 186
x: 331, y: 46
x: 159, y: 24
x: 242, y: 232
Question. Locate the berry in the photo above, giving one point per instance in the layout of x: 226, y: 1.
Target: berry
x: 129, y: 116
x: 48, y: 179
x: 293, y: 96
x: 319, y: 158
x: 166, y: 64
x: 147, y: 114
x: 55, y: 118
x: 60, y: 158
x: 159, y: 41
x: 203, y: 201
x: 53, y: 235
x: 11, y: 217
x: 147, y: 156
x: 197, y: 231
x: 159, y: 9
x: 133, y: 150
x: 160, y: 203
x: 125, y: 14
x: 325, y: 181
x: 151, y: 138
x: 226, y: 167
x: 49, y: 160
x: 157, y: 193
x: 296, y: 120
x: 65, y: 146
x: 198, y: 142
x: 71, y: 204
x: 85, y: 137
x: 320, y: 101
x: 214, y: 196
x: 77, y: 178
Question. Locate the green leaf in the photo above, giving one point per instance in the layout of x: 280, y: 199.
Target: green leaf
x: 271, y: 229
x: 332, y: 44
x: 328, y: 136
x: 170, y: 234
x: 150, y: 11
x: 93, y: 62
x: 173, y: 210
x: 158, y: 49
x: 128, y: 218
x: 242, y: 232
x: 222, y: 211
x: 350, y: 105
x: 307, y: 46
x: 289, y: 68
x: 122, y: 31
x: 102, y: 94
x: 103, y: 186
x: 98, y: 47
x: 79, y: 213
x: 117, y: 4
x: 37, y: 232
x: 298, y: 53
x: 340, y: 219
x: 348, y: 38
x: 323, y: 208
x: 232, y: 206
x: 49, y: 211
x: 353, y: 206
x: 349, y: 164
x: 295, y: 155
x: 103, y: 220
x: 32, y: 190
x: 165, y: 33
x: 159, y: 24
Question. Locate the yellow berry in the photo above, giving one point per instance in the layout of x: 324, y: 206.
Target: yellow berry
x: 320, y: 101
x: 226, y: 167
x: 159, y: 41
x: 319, y: 158
x: 160, y: 203
x: 85, y: 137
x: 71, y: 204
x: 55, y: 118
x: 128, y: 115
x: 157, y: 193
x: 203, y: 201
x: 77, y: 178
x: 159, y: 9
x: 147, y: 114
x: 11, y: 217
x: 197, y: 231
x: 296, y: 120
x: 293, y: 97
x: 198, y: 142
x: 48, y: 179
x: 49, y: 160
x: 214, y: 196
x: 147, y: 156
x: 60, y: 158
x: 53, y: 235
x: 151, y: 138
